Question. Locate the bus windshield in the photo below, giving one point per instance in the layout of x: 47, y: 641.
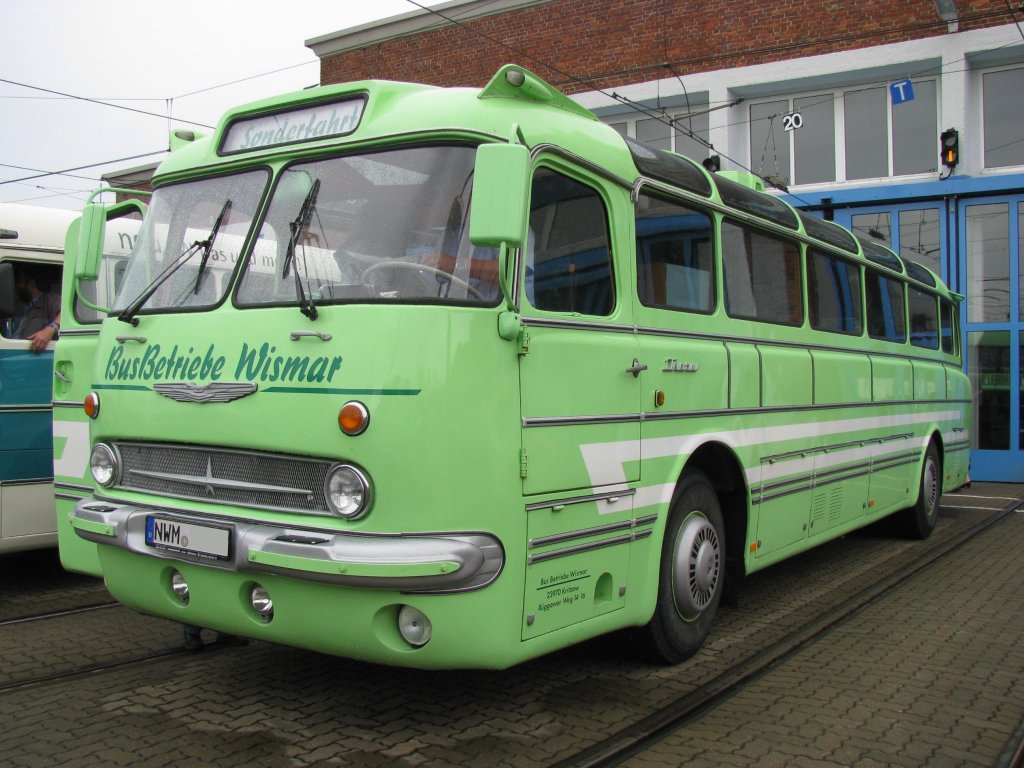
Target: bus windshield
x: 188, y: 226
x: 389, y: 226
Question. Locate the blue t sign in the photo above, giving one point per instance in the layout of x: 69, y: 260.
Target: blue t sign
x: 901, y: 90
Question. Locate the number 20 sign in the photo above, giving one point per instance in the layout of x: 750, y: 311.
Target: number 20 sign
x: 792, y: 121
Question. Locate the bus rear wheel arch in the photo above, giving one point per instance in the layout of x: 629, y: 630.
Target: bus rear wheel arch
x: 918, y: 521
x: 691, y: 574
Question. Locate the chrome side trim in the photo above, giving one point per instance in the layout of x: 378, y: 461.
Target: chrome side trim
x: 576, y: 325
x: 428, y: 562
x: 68, y: 404
x: 568, y: 421
x: 73, y: 487
x: 635, y: 529
x: 580, y: 499
x: 558, y: 421
x: 588, y: 547
x: 27, y: 408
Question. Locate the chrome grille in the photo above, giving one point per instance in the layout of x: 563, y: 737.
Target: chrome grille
x: 244, y: 478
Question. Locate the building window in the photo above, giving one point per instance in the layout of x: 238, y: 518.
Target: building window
x: 684, y: 132
x: 988, y: 254
x: 1002, y: 107
x: 867, y: 139
x: 845, y: 135
x: 917, y: 237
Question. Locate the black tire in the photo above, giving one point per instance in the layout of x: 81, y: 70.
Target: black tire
x: 690, y: 577
x: 918, y: 521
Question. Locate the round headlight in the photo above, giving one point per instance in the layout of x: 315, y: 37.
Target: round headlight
x: 348, y: 491
x: 104, y: 464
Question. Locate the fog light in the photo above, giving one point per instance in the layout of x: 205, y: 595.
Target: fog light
x: 261, y: 603
x: 348, y: 491
x: 414, y: 626
x: 180, y: 587
x: 104, y: 465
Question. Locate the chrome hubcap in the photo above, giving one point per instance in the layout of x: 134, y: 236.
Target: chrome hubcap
x: 696, y: 566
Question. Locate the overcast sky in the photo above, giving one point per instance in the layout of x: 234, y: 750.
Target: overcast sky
x: 145, y: 55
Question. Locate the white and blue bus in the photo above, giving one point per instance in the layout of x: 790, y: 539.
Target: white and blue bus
x: 31, y: 242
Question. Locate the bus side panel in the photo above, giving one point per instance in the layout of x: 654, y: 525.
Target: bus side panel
x: 929, y: 380
x: 72, y: 363
x: 571, y: 374
x: 786, y: 376
x: 26, y: 465
x: 564, y: 583
x: 891, y: 379
x: 841, y: 378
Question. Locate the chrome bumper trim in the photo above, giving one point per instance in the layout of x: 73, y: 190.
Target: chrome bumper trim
x: 435, y: 563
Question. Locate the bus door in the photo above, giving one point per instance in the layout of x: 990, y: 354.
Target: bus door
x: 580, y: 382
x: 26, y: 471
x: 84, y: 301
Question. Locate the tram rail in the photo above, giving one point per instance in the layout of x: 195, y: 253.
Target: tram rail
x: 640, y: 736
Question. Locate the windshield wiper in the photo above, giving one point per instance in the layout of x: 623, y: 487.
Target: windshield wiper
x: 298, y: 227
x: 208, y: 244
x: 128, y: 314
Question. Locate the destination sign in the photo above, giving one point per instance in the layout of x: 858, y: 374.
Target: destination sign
x: 320, y: 121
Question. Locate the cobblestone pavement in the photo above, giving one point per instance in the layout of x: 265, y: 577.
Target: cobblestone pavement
x: 922, y: 673
x: 931, y: 675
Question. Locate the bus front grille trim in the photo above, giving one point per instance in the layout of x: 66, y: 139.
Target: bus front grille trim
x: 242, y: 478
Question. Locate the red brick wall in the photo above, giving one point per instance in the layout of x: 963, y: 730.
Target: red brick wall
x: 608, y: 43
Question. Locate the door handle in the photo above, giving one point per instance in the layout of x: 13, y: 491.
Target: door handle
x: 636, y: 367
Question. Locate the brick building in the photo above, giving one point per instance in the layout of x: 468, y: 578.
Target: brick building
x: 840, y: 104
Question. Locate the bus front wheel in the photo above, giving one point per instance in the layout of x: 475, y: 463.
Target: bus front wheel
x: 691, y: 574
x: 918, y: 521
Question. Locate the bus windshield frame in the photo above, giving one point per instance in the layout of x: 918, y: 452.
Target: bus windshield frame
x: 387, y: 226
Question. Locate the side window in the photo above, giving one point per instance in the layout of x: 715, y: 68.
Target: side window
x: 762, y: 276
x: 674, y: 256
x: 886, y: 315
x: 833, y: 294
x: 924, y: 319
x: 93, y: 297
x: 568, y: 260
x: 947, y: 324
x: 36, y: 300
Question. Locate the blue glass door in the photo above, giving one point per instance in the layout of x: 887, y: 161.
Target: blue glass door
x: 990, y: 245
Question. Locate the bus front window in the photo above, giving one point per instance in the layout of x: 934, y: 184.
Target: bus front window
x: 390, y: 226
x: 190, y: 242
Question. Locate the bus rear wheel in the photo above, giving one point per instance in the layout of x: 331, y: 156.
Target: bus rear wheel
x: 918, y: 521
x: 691, y: 574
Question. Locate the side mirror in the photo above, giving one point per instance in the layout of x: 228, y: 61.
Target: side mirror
x: 91, y: 231
x: 501, y: 183
x: 7, y: 294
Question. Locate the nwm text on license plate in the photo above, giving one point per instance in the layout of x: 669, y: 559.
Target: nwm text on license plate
x: 190, y: 538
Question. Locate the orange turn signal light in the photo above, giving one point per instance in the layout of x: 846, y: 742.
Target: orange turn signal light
x: 91, y: 404
x: 353, y: 418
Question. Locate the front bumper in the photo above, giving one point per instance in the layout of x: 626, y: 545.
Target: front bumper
x: 432, y: 563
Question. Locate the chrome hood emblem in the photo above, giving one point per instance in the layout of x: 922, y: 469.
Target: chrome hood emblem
x: 214, y: 392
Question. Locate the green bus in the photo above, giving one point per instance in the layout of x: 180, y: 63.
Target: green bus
x: 448, y: 377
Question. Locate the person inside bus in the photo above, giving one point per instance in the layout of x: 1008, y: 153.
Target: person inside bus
x: 38, y: 322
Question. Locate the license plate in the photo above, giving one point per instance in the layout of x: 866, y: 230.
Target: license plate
x: 188, y: 538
